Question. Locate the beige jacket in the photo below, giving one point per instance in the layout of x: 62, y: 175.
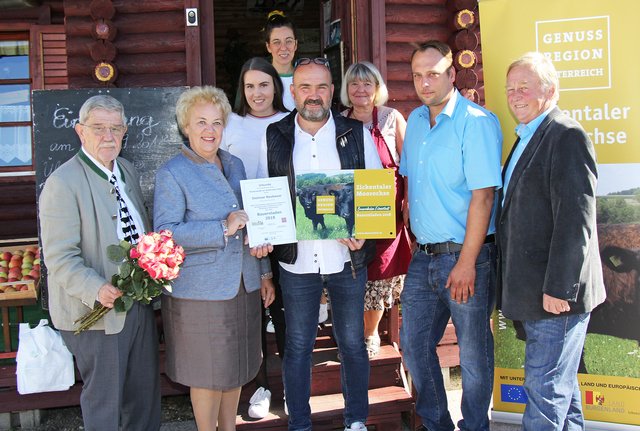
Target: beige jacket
x: 78, y: 220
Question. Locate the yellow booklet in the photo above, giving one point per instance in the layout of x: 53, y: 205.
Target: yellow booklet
x: 357, y: 203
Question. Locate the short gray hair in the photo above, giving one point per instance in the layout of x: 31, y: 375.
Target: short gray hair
x: 206, y: 94
x: 101, y: 101
x: 367, y: 72
x: 543, y: 67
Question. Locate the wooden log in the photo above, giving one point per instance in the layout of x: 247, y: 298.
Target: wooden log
x: 399, y: 52
x: 471, y: 94
x: 417, y: 14
x: 103, y: 50
x: 82, y: 81
x: 139, y: 43
x: 464, y: 39
x: 105, y: 72
x: 155, y: 80
x: 77, y: 26
x: 465, y: 59
x: 79, y: 46
x: 420, y: 2
x: 104, y: 29
x: 147, y: 23
x: 152, y: 63
x: 456, y: 5
x: 466, y: 78
x: 402, y: 90
x: 82, y: 7
x: 80, y: 66
x: 464, y: 18
x: 37, y: 15
x: 101, y: 9
x: 399, y: 71
x: 416, y: 33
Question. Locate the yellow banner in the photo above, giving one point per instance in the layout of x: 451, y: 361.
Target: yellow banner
x: 593, y: 47
x: 604, y: 398
x: 375, y: 203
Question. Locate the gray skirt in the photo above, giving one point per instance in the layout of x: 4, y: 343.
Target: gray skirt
x: 213, y: 344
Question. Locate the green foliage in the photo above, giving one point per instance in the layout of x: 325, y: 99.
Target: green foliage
x: 317, y: 178
x: 628, y: 192
x: 612, y: 210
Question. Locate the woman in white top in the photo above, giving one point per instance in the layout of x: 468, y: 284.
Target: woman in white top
x: 282, y: 43
x: 258, y: 105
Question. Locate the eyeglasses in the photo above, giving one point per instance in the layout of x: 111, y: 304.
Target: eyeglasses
x: 102, y: 130
x: 318, y: 60
x: 289, y: 43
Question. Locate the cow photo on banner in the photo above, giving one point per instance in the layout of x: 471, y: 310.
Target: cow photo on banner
x: 590, y: 43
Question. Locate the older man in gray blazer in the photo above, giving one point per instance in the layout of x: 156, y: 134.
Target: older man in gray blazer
x: 550, y: 274
x: 83, y: 208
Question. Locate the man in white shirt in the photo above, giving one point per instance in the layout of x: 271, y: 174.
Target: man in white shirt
x: 314, y: 138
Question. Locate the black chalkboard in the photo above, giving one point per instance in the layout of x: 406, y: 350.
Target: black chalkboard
x: 152, y: 137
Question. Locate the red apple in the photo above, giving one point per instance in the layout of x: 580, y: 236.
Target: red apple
x: 35, y: 274
x: 5, y: 255
x: 24, y: 287
x: 12, y: 278
x: 31, y: 249
x: 3, y: 279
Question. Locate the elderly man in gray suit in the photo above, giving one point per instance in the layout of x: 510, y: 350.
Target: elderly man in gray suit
x: 550, y: 274
x: 91, y: 201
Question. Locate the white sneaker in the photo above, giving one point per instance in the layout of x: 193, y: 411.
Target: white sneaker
x: 260, y: 402
x: 356, y: 426
x: 270, y: 328
x: 324, y: 313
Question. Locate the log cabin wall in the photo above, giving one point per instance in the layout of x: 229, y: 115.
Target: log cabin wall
x: 385, y: 33
x: 138, y: 43
x: 18, y: 217
x: 238, y: 35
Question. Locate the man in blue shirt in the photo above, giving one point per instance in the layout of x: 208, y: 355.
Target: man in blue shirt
x: 451, y: 161
x: 550, y: 276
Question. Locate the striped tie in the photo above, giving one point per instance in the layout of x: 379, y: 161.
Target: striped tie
x: 126, y: 221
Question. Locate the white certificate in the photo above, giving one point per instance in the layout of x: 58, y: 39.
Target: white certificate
x: 267, y: 202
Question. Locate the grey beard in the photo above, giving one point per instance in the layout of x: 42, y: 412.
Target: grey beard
x: 314, y: 115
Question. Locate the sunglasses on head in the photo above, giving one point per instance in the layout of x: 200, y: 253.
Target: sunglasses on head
x: 318, y: 60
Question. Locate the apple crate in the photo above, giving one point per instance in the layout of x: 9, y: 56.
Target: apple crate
x: 31, y: 291
x: 19, y: 272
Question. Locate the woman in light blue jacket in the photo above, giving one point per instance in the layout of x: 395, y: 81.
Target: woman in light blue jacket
x: 212, y: 315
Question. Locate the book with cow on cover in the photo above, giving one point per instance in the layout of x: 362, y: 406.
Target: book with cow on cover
x: 358, y: 203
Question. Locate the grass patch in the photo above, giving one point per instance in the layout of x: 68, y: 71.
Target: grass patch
x: 610, y: 356
x: 336, y: 227
x: 604, y: 355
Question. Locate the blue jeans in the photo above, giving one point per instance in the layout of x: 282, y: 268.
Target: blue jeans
x: 301, y: 295
x: 552, y: 356
x: 426, y: 309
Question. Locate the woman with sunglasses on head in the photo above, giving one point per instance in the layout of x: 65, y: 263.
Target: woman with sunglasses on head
x: 282, y: 43
x: 364, y: 93
x: 258, y: 104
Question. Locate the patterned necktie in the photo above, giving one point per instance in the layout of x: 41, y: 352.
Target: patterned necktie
x: 126, y: 221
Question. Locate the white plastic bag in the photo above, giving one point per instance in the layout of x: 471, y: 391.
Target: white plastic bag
x: 44, y: 364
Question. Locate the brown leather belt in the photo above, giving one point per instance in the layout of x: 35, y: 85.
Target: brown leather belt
x: 449, y: 246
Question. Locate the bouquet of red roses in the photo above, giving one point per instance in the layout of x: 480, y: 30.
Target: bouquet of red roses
x: 144, y: 271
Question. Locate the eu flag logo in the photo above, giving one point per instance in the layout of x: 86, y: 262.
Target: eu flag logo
x: 513, y: 394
